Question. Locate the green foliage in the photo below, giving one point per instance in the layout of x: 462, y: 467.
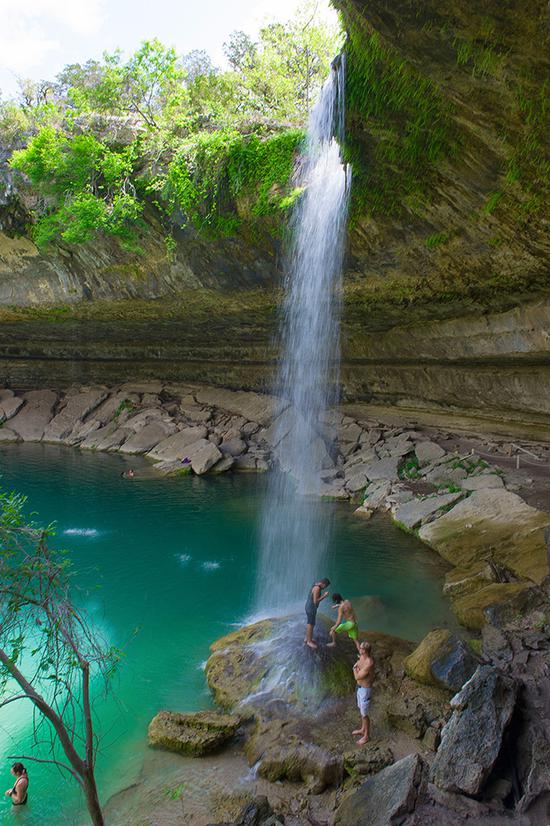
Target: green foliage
x: 399, y: 118
x: 481, y: 56
x: 175, y: 792
x: 492, y: 202
x: 126, y: 404
x: 213, y: 171
x: 410, y: 469
x: 205, y: 140
x: 85, y: 184
x: 436, y: 239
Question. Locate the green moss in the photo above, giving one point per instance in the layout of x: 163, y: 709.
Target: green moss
x: 435, y: 240
x: 410, y: 469
x: 336, y: 679
x: 400, y: 122
x: 218, y: 179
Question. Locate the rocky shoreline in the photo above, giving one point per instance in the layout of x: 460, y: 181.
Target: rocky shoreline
x: 461, y: 724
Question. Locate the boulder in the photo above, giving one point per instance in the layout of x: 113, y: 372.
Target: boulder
x: 252, y: 406
x: 204, y: 458
x: 196, y: 734
x: 496, y: 526
x: 233, y: 447
x: 471, y: 740
x: 8, y: 435
x: 333, y: 490
x: 33, y: 418
x: 139, y: 420
x: 416, y: 511
x: 195, y: 412
x: 247, y: 462
x: 362, y: 457
x: 75, y: 410
x: 9, y: 404
x: 441, y: 659
x: 396, y: 447
x: 376, y: 493
x: 279, y: 753
x: 387, y: 797
x: 382, y: 469
x: 148, y: 437
x: 239, y: 662
x: 111, y: 407
x: 471, y: 608
x: 176, y: 447
x: 256, y: 813
x: 484, y: 481
x: 369, y: 759
x: 427, y: 452
x: 356, y: 482
x: 223, y: 465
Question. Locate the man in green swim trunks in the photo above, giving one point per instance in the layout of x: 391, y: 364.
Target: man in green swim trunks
x: 346, y: 620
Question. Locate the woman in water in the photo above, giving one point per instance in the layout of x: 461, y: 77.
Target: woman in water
x: 18, y: 791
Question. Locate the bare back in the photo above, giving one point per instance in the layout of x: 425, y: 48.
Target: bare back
x: 347, y: 611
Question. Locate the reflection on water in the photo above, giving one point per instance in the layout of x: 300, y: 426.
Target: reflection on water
x: 167, y: 566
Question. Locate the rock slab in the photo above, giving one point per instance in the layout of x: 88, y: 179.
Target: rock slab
x: 387, y: 797
x: 471, y: 740
x: 195, y: 734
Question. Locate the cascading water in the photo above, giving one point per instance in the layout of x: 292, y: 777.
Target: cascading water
x: 294, y: 532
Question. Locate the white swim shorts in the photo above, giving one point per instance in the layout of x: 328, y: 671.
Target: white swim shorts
x: 363, y: 700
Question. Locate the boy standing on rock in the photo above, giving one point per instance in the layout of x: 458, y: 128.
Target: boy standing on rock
x: 345, y: 621
x: 363, y: 671
x: 315, y: 596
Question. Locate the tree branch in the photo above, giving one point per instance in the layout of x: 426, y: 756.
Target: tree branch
x: 57, y: 763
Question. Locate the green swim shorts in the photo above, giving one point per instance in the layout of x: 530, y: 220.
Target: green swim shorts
x: 350, y: 627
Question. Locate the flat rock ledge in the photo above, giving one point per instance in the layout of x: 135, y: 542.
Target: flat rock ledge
x: 194, y: 734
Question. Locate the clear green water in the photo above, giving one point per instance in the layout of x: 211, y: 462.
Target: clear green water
x: 175, y: 562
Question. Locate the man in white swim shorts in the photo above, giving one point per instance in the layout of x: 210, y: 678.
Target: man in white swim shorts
x: 363, y: 671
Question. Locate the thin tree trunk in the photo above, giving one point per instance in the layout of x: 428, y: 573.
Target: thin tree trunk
x: 92, y: 799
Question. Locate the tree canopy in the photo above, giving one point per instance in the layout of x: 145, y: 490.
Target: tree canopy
x: 108, y: 135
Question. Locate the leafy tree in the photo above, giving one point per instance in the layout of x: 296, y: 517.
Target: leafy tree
x: 87, y: 187
x: 240, y: 51
x: 49, y: 655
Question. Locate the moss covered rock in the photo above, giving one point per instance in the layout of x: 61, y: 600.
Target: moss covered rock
x: 194, y: 734
x: 268, y: 661
x: 442, y: 659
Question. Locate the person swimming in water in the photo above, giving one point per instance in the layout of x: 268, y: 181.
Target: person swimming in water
x: 315, y: 596
x: 19, y: 790
x: 345, y: 621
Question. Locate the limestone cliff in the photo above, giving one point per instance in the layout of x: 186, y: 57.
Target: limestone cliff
x: 446, y: 297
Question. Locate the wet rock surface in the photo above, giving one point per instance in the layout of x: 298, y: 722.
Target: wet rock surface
x: 195, y: 734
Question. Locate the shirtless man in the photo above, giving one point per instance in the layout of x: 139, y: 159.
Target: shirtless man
x: 345, y: 621
x: 363, y: 671
x: 315, y: 596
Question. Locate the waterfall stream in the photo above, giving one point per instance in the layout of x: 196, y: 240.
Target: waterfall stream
x: 295, y: 536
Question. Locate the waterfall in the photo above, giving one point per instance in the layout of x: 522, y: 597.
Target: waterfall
x: 295, y: 534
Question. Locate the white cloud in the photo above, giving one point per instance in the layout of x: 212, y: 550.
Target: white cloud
x: 34, y: 29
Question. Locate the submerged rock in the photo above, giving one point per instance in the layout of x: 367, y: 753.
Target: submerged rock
x: 441, y: 659
x: 195, y: 734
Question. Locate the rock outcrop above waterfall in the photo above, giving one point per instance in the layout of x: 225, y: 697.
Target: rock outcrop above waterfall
x: 445, y: 300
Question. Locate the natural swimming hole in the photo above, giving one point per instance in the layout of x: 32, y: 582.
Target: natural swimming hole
x: 164, y: 567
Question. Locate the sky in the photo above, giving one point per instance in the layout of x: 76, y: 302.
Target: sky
x: 39, y: 37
